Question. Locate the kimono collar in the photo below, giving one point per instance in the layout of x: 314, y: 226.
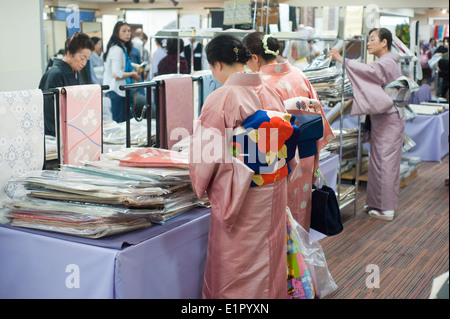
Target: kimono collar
x: 63, y: 66
x: 278, y: 68
x: 244, y: 79
x: 391, y: 55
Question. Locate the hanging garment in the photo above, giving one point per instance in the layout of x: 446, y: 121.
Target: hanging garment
x: 21, y: 135
x: 209, y: 84
x: 246, y: 255
x: 237, y: 12
x: 386, y: 137
x: 290, y: 82
x: 81, y: 123
x: 440, y: 32
x: 176, y: 111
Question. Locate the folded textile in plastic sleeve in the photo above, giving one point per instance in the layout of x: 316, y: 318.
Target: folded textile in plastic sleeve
x: 314, y: 257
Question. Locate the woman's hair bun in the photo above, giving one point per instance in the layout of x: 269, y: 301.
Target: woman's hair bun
x: 228, y: 49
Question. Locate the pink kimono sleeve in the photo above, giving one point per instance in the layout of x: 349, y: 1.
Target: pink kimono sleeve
x: 213, y: 170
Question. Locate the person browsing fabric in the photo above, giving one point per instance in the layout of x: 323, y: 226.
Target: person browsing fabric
x: 118, y: 68
x: 290, y: 82
x: 246, y: 255
x: 65, y: 72
x: 387, y: 126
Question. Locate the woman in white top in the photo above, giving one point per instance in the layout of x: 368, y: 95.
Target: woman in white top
x: 118, y: 69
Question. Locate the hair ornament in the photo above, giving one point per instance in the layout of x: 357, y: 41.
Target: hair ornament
x: 236, y: 51
x: 266, y: 47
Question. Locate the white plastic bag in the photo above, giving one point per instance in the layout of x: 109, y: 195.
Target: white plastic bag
x: 314, y: 257
x: 432, y: 63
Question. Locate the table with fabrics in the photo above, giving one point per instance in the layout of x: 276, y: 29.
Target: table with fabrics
x: 429, y: 132
x: 163, y: 261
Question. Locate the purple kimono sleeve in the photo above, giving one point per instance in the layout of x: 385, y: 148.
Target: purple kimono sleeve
x: 367, y: 81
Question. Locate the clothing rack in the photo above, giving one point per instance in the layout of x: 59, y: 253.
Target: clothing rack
x: 56, y: 94
x: 147, y: 108
x: 284, y: 36
x: 347, y: 42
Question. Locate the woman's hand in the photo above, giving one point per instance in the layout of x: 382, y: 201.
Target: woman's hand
x: 334, y: 53
x: 135, y: 76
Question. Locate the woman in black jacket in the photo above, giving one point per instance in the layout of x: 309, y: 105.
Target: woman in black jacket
x: 65, y: 72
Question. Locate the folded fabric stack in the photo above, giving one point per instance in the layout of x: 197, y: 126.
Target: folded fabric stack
x: 408, y: 166
x: 437, y: 103
x: 51, y: 150
x: 328, y: 82
x: 349, y: 141
x: 114, y: 133
x: 427, y: 109
x: 101, y: 198
x: 408, y: 143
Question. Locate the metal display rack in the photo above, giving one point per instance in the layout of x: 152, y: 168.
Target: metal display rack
x: 292, y: 36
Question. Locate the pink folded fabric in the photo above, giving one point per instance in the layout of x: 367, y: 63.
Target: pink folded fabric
x: 81, y: 124
x: 178, y: 110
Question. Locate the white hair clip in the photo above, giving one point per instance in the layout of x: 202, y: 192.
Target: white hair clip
x: 266, y: 47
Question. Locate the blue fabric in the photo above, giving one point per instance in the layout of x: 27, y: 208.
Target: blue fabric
x: 311, y: 130
x: 117, y: 107
x: 128, y: 67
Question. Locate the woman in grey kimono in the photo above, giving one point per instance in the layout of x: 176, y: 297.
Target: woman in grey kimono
x: 387, y: 125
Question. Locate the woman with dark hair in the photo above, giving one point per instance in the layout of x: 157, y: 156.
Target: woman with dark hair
x: 290, y: 82
x: 246, y: 255
x: 65, y: 72
x: 118, y: 68
x: 168, y: 65
x: 387, y: 124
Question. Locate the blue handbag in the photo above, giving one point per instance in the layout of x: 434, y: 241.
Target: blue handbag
x: 311, y: 130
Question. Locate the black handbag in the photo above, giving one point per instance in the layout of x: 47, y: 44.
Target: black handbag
x: 325, y: 211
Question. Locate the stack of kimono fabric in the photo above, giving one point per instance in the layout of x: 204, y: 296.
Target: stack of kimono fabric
x: 349, y: 142
x: 100, y: 198
x: 328, y: 82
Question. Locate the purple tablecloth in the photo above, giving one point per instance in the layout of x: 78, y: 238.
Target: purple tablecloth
x: 161, y: 262
x: 329, y: 167
x: 429, y: 132
x: 423, y: 94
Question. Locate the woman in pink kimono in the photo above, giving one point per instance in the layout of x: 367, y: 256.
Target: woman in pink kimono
x: 246, y: 255
x: 290, y: 82
x: 387, y: 126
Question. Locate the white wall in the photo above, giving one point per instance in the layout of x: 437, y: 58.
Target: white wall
x: 21, y: 45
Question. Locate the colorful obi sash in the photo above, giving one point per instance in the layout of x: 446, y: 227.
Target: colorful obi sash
x: 266, y: 142
x: 309, y: 119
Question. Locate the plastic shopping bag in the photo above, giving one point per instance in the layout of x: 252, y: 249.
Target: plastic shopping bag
x: 314, y: 258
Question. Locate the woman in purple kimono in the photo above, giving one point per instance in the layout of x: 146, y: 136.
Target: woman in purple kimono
x: 387, y: 126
